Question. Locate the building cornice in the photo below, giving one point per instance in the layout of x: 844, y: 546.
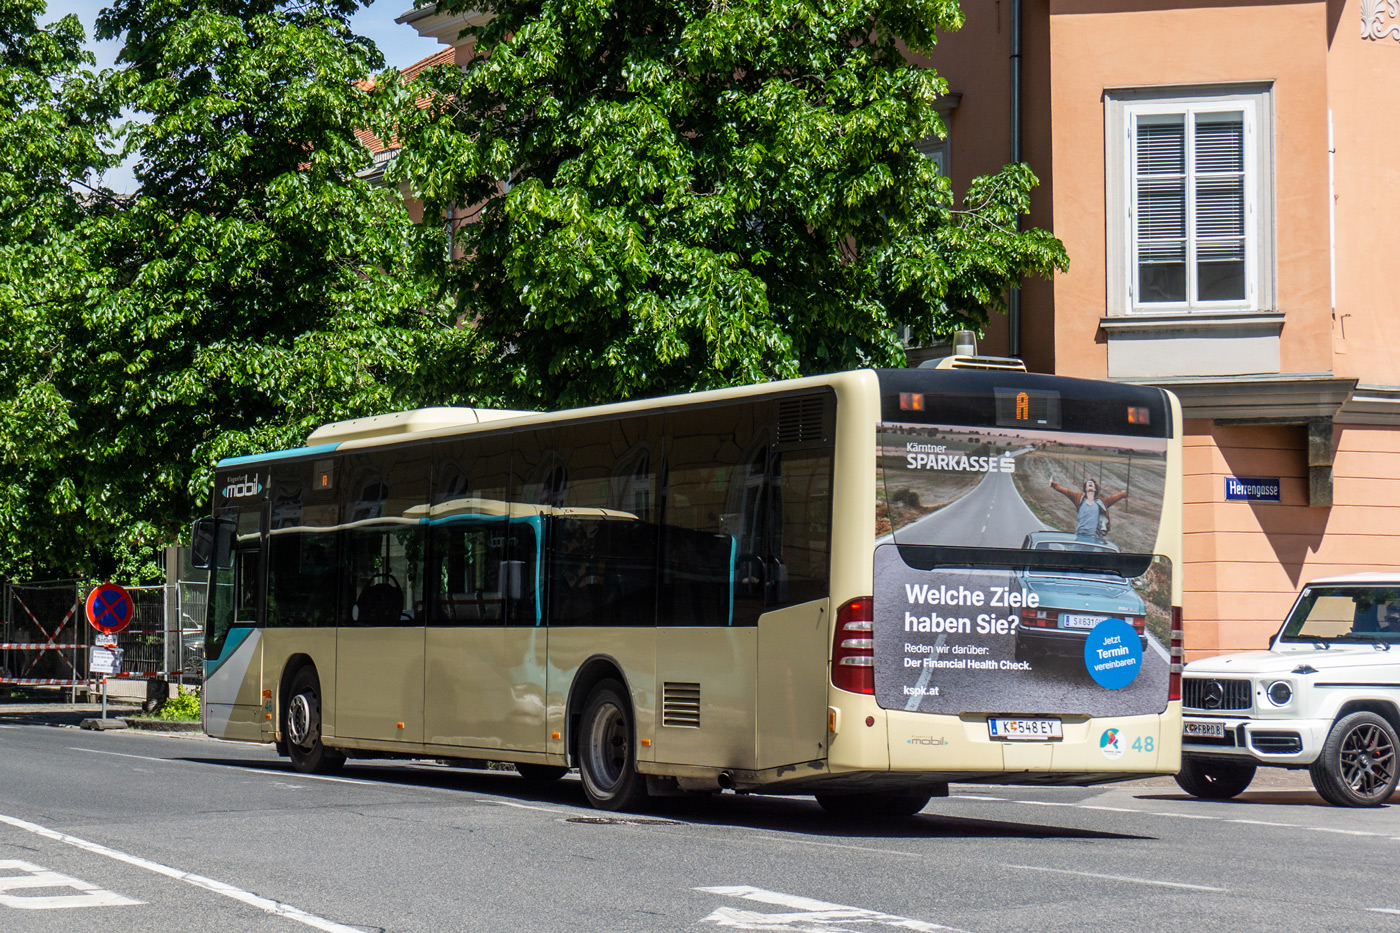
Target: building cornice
x: 1371, y: 404
x: 1274, y: 398
x: 1197, y: 321
x: 446, y: 28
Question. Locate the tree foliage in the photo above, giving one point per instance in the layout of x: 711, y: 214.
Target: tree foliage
x: 678, y: 194
x: 254, y: 288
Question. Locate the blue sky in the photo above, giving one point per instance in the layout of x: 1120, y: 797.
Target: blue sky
x: 400, y: 45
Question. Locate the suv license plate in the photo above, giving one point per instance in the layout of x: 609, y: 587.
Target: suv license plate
x: 1035, y: 730
x: 1215, y: 730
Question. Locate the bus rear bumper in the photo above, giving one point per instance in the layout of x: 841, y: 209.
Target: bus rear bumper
x: 1088, y: 750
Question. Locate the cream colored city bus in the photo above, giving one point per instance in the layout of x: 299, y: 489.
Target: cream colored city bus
x: 859, y: 586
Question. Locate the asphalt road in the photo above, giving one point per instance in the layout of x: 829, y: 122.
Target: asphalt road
x: 123, y: 831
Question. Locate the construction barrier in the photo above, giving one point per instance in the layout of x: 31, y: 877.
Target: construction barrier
x: 47, y: 640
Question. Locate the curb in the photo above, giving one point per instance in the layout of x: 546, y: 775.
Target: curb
x: 102, y: 725
x: 162, y: 725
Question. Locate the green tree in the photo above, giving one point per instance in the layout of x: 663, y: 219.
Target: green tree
x: 677, y: 194
x: 53, y: 128
x: 255, y: 286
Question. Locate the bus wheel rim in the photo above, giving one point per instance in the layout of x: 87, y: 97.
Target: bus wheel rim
x: 301, y: 718
x: 608, y: 746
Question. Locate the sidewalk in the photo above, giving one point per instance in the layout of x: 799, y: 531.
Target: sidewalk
x: 30, y: 712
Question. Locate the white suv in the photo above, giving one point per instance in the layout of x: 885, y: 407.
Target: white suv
x: 1325, y: 696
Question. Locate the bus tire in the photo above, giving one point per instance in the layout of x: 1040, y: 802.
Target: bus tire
x: 1214, y: 780
x: 301, y: 727
x: 873, y: 806
x: 607, y: 761
x: 541, y: 774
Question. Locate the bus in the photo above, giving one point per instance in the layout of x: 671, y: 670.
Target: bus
x: 858, y: 586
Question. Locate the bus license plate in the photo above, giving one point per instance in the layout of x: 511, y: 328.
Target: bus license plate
x: 1034, y: 730
x: 1214, y: 730
x: 1069, y: 620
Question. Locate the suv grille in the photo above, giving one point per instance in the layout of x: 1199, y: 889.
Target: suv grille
x: 1277, y: 743
x: 1215, y: 694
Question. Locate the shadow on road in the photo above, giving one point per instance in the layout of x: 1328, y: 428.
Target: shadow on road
x: 797, y: 815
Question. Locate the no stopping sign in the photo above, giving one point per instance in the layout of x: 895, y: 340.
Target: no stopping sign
x: 109, y: 608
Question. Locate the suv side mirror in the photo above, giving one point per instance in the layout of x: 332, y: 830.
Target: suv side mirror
x: 211, y: 544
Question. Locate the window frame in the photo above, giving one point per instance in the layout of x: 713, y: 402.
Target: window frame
x: 1123, y: 108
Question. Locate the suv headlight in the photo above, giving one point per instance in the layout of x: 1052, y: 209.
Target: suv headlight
x: 1280, y: 692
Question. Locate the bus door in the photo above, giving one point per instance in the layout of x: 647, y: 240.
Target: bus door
x: 232, y: 685
x: 486, y: 647
x: 380, y: 646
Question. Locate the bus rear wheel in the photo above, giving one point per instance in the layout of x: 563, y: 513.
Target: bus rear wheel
x: 873, y: 806
x: 301, y: 727
x: 606, y: 760
x: 1214, y: 780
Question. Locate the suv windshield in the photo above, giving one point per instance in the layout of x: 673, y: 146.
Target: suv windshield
x: 1344, y: 613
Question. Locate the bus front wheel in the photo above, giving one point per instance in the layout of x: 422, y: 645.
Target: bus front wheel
x: 606, y: 759
x: 302, y: 727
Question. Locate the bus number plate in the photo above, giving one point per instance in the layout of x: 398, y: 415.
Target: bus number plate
x: 1035, y: 730
x: 1214, y: 730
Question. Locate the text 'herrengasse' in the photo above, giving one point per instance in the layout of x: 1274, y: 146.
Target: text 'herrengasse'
x: 936, y: 457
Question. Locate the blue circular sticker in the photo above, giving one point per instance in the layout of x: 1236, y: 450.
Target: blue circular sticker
x: 1113, y: 654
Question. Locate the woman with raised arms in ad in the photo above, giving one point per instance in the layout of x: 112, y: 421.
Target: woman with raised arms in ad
x: 1092, y: 512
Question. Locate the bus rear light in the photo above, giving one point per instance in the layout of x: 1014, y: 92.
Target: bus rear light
x: 853, y: 647
x: 1178, y: 659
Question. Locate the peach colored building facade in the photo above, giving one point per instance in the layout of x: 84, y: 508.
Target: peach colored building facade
x: 1223, y: 174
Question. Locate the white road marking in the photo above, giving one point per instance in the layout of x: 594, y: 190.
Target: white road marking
x: 1183, y: 816
x: 1343, y: 832
x: 98, y: 751
x: 802, y: 913
x: 525, y: 806
x: 335, y: 780
x: 1265, y: 823
x: 209, y: 884
x: 35, y: 876
x: 1383, y: 910
x: 973, y: 797
x: 1148, y: 881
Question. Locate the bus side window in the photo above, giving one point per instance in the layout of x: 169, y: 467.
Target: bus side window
x: 472, y: 577
x: 712, y: 516
x: 602, y: 567
x: 800, y: 526
x: 247, y: 577
x: 384, y: 537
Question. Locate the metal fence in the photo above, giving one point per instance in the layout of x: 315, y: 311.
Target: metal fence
x: 46, y: 637
x: 47, y: 641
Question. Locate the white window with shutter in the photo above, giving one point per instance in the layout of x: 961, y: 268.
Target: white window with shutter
x: 1189, y: 201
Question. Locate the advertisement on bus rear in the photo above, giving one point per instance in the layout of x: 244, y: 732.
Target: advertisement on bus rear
x: 1078, y: 624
